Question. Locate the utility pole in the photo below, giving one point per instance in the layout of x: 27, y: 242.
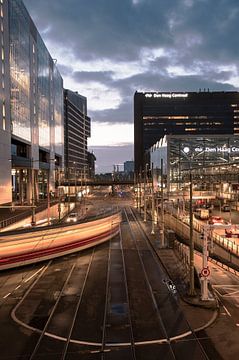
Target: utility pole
x: 140, y: 192
x: 205, y: 270
x: 152, y: 214
x: 48, y: 196
x: 162, y: 208
x: 145, y: 210
x: 191, y: 240
x: 75, y: 182
x: 33, y: 222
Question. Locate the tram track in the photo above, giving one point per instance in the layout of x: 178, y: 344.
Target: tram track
x: 108, y: 301
x: 190, y: 330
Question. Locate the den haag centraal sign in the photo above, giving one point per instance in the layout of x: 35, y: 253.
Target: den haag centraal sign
x: 217, y: 149
x: 166, y: 95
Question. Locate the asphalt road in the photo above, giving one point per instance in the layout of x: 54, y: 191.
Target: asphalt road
x: 109, y: 302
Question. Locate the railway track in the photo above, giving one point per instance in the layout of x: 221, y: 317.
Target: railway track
x: 109, y: 302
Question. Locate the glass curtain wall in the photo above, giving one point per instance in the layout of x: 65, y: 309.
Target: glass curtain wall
x: 19, y: 70
x: 43, y: 82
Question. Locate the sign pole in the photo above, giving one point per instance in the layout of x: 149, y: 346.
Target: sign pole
x: 205, y: 270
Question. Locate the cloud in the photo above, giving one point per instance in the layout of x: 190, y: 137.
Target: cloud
x: 106, y: 50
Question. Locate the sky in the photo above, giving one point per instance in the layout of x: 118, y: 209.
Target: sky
x: 108, y: 49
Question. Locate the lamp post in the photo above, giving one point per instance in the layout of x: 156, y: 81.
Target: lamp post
x: 162, y: 208
x: 33, y: 222
x: 145, y: 209
x: 75, y: 182
x: 152, y: 214
x: 140, y: 191
x: 191, y: 240
x: 186, y: 152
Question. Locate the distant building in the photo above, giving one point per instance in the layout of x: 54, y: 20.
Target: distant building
x: 31, y: 109
x: 91, y: 164
x: 77, y: 131
x: 128, y: 167
x: 157, y: 114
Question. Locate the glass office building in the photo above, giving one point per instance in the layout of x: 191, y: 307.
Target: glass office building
x: 182, y: 153
x: 157, y: 114
x: 32, y: 122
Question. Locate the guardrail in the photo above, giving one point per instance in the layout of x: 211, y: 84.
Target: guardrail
x: 223, y: 249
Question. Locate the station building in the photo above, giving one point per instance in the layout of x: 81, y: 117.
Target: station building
x: 181, y: 153
x: 31, y: 109
x: 202, y: 121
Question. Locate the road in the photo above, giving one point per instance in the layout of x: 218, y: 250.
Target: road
x: 107, y: 302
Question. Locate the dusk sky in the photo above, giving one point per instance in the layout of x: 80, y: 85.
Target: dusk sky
x: 108, y: 49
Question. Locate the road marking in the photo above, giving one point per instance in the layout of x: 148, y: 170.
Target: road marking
x: 224, y: 307
x: 226, y: 310
x: 4, y: 297
x: 17, y: 287
x: 34, y: 274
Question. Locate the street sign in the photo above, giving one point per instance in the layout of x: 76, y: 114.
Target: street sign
x: 205, y: 272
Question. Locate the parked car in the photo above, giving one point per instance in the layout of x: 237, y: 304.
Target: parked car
x: 232, y: 232
x: 72, y: 217
x: 216, y: 220
x: 226, y: 208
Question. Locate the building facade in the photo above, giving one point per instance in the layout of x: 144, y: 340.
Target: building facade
x: 181, y: 153
x: 77, y: 131
x: 157, y: 114
x: 128, y: 166
x: 31, y: 109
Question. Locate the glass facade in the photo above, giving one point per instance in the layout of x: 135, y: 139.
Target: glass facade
x: 43, y: 90
x: 31, y: 103
x: 180, y: 153
x: 58, y: 111
x: 19, y: 70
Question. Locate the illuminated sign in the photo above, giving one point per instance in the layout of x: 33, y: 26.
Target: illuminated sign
x: 166, y: 95
x: 217, y: 149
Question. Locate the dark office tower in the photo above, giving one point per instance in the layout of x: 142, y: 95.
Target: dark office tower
x: 77, y: 131
x: 172, y: 113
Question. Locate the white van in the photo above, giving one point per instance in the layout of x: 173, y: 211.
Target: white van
x: 202, y: 214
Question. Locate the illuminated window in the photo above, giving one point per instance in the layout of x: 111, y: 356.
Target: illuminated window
x: 2, y: 54
x: 1, y: 11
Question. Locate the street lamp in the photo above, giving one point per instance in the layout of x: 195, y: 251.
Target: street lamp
x: 152, y: 213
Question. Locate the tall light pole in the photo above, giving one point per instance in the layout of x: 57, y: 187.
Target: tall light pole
x: 152, y: 214
x: 145, y: 210
x: 191, y: 240
x: 33, y: 222
x: 140, y: 191
x: 162, y: 207
x: 75, y: 181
